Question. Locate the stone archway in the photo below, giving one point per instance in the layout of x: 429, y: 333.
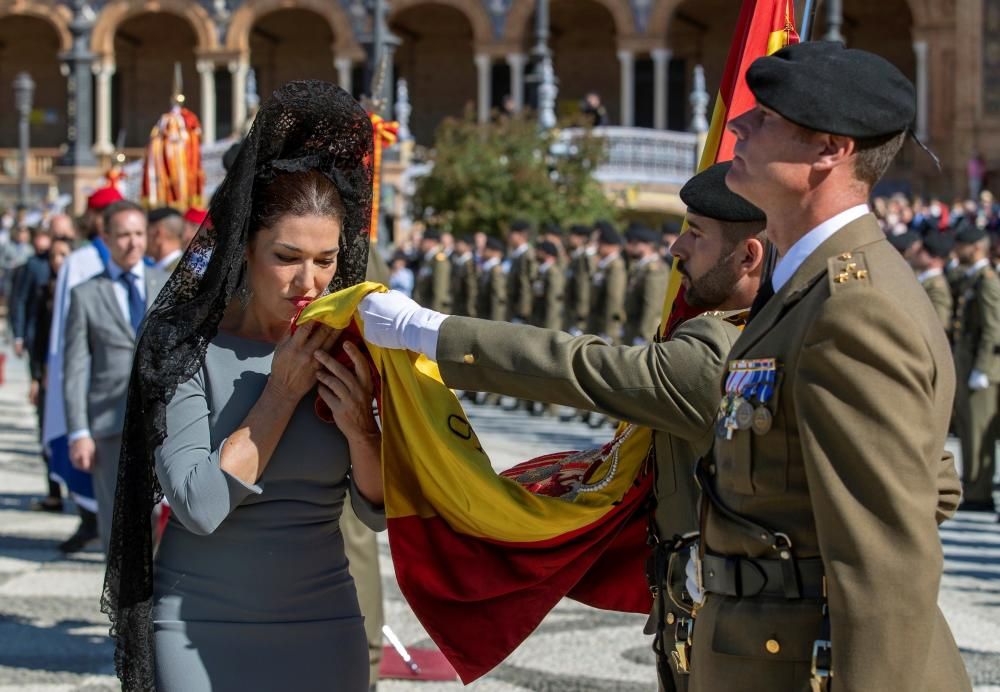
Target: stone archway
x: 436, y: 59
x: 475, y: 13
x: 57, y: 15
x: 116, y: 12
x: 30, y: 43
x: 249, y: 13
x: 291, y: 44
x: 517, y: 28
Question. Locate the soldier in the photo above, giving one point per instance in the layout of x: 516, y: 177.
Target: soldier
x: 464, y: 278
x: 549, y: 288
x: 607, y: 288
x: 670, y: 386
x: 553, y: 233
x: 521, y: 275
x: 670, y: 231
x: 977, y: 366
x: 647, y: 285
x: 820, y: 554
x: 579, y: 274
x: 433, y: 282
x: 928, y: 261
x: 491, y: 297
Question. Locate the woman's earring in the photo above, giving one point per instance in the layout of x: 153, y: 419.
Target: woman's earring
x: 243, y: 292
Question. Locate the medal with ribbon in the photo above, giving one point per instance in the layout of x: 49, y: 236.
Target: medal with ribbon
x: 749, y: 388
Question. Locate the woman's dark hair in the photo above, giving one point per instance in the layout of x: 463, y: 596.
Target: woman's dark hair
x: 307, y: 193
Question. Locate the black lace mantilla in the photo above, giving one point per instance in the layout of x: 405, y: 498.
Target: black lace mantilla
x: 304, y: 126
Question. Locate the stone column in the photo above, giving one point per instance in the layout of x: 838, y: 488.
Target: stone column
x: 104, y: 72
x: 484, y: 83
x: 345, y: 67
x: 206, y: 71
x: 661, y: 59
x: 239, y: 71
x: 920, y: 49
x: 627, y: 60
x: 517, y: 62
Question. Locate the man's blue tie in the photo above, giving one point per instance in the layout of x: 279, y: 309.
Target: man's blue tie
x: 136, y: 304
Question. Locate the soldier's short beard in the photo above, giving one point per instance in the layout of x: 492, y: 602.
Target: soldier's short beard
x: 713, y: 288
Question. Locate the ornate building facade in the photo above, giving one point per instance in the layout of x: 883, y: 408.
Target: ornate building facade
x: 470, y: 56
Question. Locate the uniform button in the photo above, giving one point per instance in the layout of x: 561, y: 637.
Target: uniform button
x: 670, y: 618
x: 772, y: 646
x: 846, y: 256
x: 469, y: 359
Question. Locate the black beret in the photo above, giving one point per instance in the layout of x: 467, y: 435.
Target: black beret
x: 639, y: 233
x: 520, y: 225
x: 670, y: 227
x: 823, y: 86
x: 903, y: 241
x: 606, y: 234
x: 432, y: 234
x: 494, y: 243
x: 465, y: 238
x: 706, y: 194
x: 548, y: 247
x: 938, y: 244
x: 552, y: 229
x: 967, y: 232
x: 579, y: 230
x: 155, y: 215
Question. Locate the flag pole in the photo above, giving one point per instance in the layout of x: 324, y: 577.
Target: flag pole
x: 808, y: 19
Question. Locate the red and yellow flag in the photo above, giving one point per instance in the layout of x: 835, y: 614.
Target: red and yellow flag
x: 480, y: 557
x: 764, y: 27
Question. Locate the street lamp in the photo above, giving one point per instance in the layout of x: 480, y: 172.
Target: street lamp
x: 24, y: 91
x: 545, y: 73
x: 77, y: 69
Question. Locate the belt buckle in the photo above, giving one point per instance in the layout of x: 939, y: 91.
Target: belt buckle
x: 821, y: 673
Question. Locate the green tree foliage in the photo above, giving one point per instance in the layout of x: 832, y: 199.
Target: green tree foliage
x: 485, y: 176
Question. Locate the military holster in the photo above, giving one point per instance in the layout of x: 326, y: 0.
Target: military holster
x: 662, y: 565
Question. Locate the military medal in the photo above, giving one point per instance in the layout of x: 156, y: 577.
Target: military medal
x: 762, y: 420
x: 743, y: 413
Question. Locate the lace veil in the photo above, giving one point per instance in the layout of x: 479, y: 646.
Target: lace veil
x: 308, y: 125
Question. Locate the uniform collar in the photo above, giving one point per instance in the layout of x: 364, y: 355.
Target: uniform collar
x: 490, y: 263
x: 520, y: 250
x: 977, y: 267
x: 602, y: 263
x: 929, y: 274
x: 807, y: 244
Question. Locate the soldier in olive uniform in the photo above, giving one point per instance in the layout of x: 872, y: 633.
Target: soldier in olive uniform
x: 549, y: 288
x: 464, y: 278
x: 648, y: 276
x: 491, y: 296
x: 607, y: 288
x: 977, y: 366
x: 671, y: 386
x: 928, y: 261
x: 820, y: 553
x: 432, y: 288
x: 553, y: 233
x: 522, y: 272
x: 579, y: 273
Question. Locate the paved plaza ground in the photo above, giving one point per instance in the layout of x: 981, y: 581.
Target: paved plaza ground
x: 54, y: 639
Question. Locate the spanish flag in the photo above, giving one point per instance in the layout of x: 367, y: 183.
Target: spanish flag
x: 482, y: 558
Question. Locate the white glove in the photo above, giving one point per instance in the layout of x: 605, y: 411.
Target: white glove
x: 693, y: 581
x: 978, y: 380
x: 394, y: 321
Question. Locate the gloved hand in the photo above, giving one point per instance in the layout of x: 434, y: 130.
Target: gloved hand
x: 693, y: 581
x: 393, y: 320
x: 978, y: 380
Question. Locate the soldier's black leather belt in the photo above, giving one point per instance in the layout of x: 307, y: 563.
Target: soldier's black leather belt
x: 746, y: 577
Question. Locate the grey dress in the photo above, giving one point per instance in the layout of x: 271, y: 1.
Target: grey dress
x: 251, y: 588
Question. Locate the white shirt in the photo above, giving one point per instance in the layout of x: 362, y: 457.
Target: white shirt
x: 605, y: 261
x: 520, y: 250
x: 807, y: 244
x: 929, y: 274
x: 971, y: 271
x: 165, y: 263
x: 121, y: 296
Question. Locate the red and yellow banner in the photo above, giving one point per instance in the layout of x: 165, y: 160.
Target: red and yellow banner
x: 764, y: 27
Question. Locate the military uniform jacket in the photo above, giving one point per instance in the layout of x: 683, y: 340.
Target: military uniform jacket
x: 464, y: 286
x: 977, y: 325
x: 853, y: 472
x: 644, y: 294
x: 432, y: 288
x: 549, y: 297
x: 491, y: 299
x: 939, y: 293
x: 607, y: 300
x: 520, y: 296
x: 578, y: 278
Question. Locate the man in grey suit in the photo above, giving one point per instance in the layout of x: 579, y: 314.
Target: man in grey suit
x: 105, y: 314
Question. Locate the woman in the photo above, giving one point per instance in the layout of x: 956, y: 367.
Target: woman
x: 250, y: 588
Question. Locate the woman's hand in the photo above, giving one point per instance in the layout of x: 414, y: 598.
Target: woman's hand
x: 348, y: 392
x: 293, y: 369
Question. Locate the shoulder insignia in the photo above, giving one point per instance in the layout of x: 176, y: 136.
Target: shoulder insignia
x: 847, y: 269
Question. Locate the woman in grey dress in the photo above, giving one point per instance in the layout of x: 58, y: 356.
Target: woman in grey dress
x: 250, y: 588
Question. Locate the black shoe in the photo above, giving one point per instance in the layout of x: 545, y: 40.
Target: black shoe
x: 49, y: 504
x: 84, y: 536
x: 977, y: 506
